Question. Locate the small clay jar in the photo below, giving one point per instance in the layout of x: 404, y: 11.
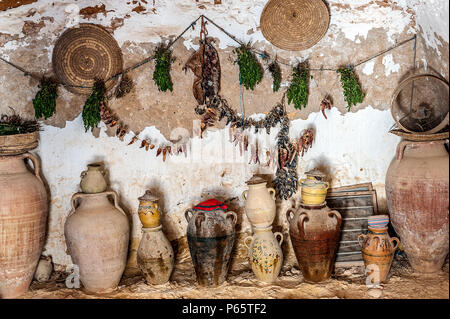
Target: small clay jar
x: 148, y: 210
x: 259, y: 202
x: 44, y: 269
x: 378, y: 252
x: 155, y: 256
x: 93, y: 180
x: 265, y: 254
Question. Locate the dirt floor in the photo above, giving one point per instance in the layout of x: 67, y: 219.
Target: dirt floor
x: 349, y: 283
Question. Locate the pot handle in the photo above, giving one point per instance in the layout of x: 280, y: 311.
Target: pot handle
x: 361, y: 236
x: 397, y: 242
x: 280, y: 241
x: 35, y: 165
x: 290, y: 214
x: 72, y: 203
x: 116, y: 201
x: 233, y: 215
x: 199, y: 219
x: 83, y: 174
x: 272, y: 192
x: 188, y: 214
x: 244, y: 195
x: 246, y: 239
x: 338, y: 216
x: 301, y: 221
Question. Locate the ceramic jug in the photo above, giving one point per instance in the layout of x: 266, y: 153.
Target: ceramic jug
x: 259, y: 202
x: 314, y: 231
x: 378, y: 248
x: 211, y: 235
x: 23, y: 220
x: 93, y: 180
x: 148, y: 210
x: 97, y: 235
x: 265, y: 254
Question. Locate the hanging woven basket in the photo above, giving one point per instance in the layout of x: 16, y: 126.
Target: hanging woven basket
x: 294, y: 25
x: 85, y: 53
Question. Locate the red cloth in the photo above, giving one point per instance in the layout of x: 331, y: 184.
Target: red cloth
x: 210, y: 205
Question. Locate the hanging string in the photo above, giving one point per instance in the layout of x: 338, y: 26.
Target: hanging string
x: 191, y: 25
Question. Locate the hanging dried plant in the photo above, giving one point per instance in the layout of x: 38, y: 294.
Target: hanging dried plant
x: 297, y: 92
x: 161, y: 74
x: 250, y: 71
x: 352, y: 90
x: 275, y: 70
x: 91, y: 109
x: 14, y: 124
x: 124, y: 87
x: 44, y: 102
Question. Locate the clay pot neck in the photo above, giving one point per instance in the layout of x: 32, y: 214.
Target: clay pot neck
x: 13, y: 164
x: 425, y: 149
x: 94, y: 167
x: 262, y: 229
x: 152, y: 229
x: 378, y: 231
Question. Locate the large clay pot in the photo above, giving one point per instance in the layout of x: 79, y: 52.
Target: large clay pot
x: 265, y: 254
x: 155, y: 256
x: 93, y: 180
x: 211, y: 235
x: 97, y: 235
x: 314, y: 232
x: 417, y: 198
x: 378, y: 251
x: 23, y: 216
x: 259, y: 202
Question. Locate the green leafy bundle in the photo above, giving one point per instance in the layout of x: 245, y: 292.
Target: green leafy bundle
x: 299, y: 88
x: 275, y: 70
x: 352, y: 90
x: 91, y: 109
x: 44, y: 102
x: 161, y: 74
x: 14, y: 124
x: 250, y: 71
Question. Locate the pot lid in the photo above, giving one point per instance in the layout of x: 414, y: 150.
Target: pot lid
x: 378, y: 221
x: 256, y: 180
x: 316, y: 173
x: 312, y: 182
x: 148, y: 197
x: 210, y: 205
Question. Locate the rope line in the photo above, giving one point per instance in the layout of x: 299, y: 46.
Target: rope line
x: 191, y: 25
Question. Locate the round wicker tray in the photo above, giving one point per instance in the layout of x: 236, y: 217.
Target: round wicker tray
x: 294, y: 25
x: 418, y: 137
x: 85, y: 53
x: 18, y: 143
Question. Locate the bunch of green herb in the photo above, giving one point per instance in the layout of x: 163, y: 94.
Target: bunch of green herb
x: 91, y: 109
x: 299, y: 88
x: 44, y: 102
x: 161, y: 74
x: 250, y: 71
x: 14, y: 124
x: 352, y: 90
x: 275, y: 70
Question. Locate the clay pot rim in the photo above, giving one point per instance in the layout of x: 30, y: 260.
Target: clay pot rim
x: 313, y: 206
x: 152, y: 229
x: 261, y: 228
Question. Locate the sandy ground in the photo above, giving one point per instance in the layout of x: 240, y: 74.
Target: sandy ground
x: 349, y: 283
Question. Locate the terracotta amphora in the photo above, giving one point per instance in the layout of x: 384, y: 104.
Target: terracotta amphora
x: 259, y: 202
x: 93, y: 180
x: 265, y: 254
x: 211, y: 235
x: 378, y: 251
x: 155, y: 256
x: 417, y: 188
x: 97, y: 236
x: 23, y: 218
x: 314, y: 231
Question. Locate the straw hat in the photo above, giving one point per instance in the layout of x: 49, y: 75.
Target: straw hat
x: 294, y: 25
x: 84, y: 53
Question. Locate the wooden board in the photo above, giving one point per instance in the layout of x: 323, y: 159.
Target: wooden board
x: 355, y: 203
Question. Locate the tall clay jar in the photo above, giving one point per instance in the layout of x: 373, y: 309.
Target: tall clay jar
x: 23, y: 216
x: 155, y: 256
x: 93, y: 180
x: 314, y: 232
x: 259, y: 202
x: 97, y: 236
x: 265, y: 254
x: 377, y: 249
x: 417, y: 188
x: 211, y: 235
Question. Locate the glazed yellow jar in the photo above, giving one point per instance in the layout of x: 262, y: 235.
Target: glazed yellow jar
x: 314, y: 191
x: 148, y: 210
